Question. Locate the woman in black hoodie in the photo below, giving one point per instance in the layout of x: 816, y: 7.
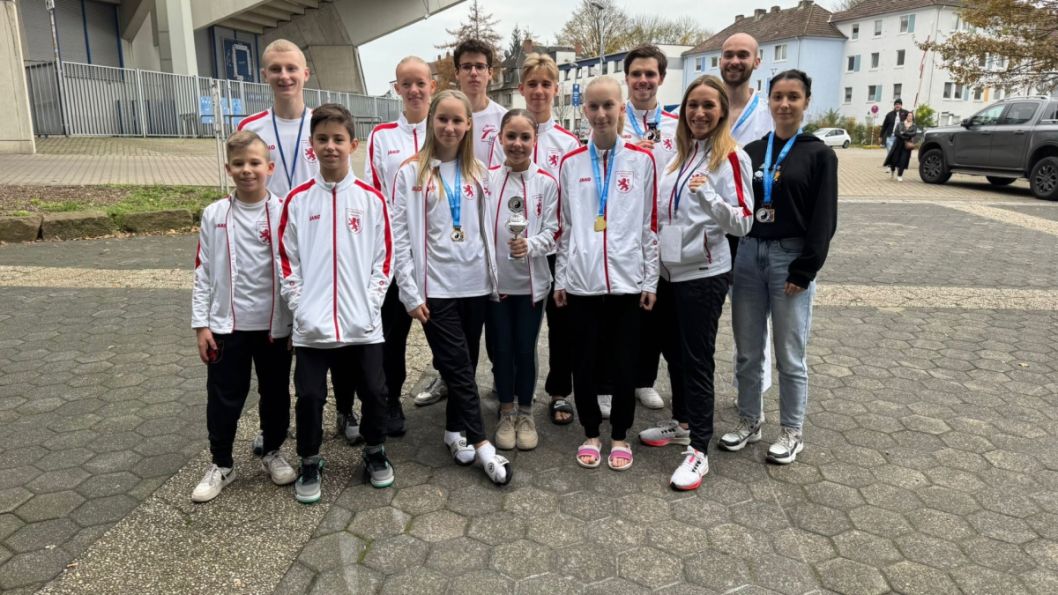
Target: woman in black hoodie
x: 795, y: 184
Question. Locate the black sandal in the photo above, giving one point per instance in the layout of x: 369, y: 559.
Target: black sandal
x: 561, y: 405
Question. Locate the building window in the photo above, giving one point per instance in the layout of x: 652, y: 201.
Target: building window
x: 978, y: 93
x: 699, y: 64
x: 900, y: 56
x: 853, y: 64
x: 760, y: 53
x: 855, y: 30
x: 907, y: 23
x: 955, y: 91
x: 878, y: 28
x: 780, y: 52
x: 714, y: 62
x: 874, y: 93
x: 848, y: 94
x: 898, y: 90
x: 875, y: 59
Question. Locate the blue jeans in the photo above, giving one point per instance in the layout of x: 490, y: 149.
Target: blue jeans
x: 761, y: 269
x: 889, y: 140
x: 512, y: 326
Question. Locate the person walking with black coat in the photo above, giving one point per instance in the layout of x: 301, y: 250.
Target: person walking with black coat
x: 899, y: 154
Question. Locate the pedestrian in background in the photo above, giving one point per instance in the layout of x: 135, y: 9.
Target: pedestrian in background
x: 899, y: 155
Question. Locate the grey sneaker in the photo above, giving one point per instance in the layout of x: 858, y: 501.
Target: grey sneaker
x: 784, y: 450
x: 348, y: 428
x: 307, y: 488
x: 277, y: 467
x: 665, y: 433
x: 377, y: 469
x: 505, y: 432
x: 746, y: 432
x: 258, y: 445
x: 434, y: 392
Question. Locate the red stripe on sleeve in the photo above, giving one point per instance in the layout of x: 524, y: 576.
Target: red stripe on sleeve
x: 736, y: 167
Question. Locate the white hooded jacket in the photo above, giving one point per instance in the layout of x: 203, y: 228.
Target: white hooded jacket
x: 723, y: 205
x: 389, y: 145
x: 623, y: 258
x: 428, y: 262
x: 539, y: 193
x: 335, y: 253
x: 213, y: 294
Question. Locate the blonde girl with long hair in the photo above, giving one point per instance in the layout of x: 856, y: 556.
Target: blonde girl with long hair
x: 705, y: 192
x: 445, y: 267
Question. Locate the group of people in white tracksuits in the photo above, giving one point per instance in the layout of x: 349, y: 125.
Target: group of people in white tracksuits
x: 474, y: 220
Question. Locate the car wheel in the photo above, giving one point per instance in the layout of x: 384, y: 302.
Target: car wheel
x: 931, y: 167
x: 1044, y: 178
x: 845, y: 145
x: 997, y: 181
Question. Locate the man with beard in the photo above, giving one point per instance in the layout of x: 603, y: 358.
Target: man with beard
x: 750, y: 120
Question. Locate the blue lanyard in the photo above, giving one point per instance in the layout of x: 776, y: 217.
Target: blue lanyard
x: 769, y: 171
x: 746, y: 113
x: 455, y: 199
x: 680, y: 186
x: 635, y: 123
x: 603, y: 190
x: 297, y: 143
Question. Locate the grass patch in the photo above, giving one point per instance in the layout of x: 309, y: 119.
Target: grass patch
x: 140, y: 199
x: 20, y: 213
x: 114, y: 200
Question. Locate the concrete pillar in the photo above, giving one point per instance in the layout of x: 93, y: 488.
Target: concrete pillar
x: 176, y: 37
x: 333, y: 60
x: 16, y: 127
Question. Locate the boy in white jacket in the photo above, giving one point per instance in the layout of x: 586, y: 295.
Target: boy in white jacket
x: 335, y: 252
x: 239, y: 317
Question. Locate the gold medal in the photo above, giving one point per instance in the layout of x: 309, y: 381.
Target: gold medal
x: 600, y: 223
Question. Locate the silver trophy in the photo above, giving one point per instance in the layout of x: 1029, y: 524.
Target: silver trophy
x: 516, y: 221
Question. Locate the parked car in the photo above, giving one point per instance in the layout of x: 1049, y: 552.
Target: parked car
x: 834, y: 137
x: 1013, y: 138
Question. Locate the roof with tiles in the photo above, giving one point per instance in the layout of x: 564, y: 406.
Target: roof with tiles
x: 870, y: 8
x: 807, y: 19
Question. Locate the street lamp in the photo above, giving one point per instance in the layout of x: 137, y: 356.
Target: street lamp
x: 599, y: 8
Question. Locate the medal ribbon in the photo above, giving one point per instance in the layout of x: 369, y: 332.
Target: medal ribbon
x: 297, y: 143
x: 746, y: 113
x: 602, y: 189
x: 680, y: 186
x: 635, y: 123
x: 769, y: 170
x: 455, y: 199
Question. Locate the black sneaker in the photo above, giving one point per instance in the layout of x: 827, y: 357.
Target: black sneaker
x: 377, y: 468
x: 395, y: 421
x: 307, y: 488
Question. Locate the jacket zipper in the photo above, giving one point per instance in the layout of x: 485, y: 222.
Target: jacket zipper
x: 268, y: 222
x: 334, y: 260
x: 606, y: 230
x: 230, y: 220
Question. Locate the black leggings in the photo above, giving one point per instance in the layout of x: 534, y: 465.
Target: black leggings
x: 454, y: 334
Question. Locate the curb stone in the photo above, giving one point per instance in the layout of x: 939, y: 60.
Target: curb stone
x: 20, y: 229
x: 155, y: 220
x: 77, y: 224
x: 81, y: 225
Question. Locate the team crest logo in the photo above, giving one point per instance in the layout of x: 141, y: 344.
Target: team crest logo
x: 310, y: 154
x: 667, y: 143
x: 263, y: 233
x: 354, y: 219
x: 468, y: 189
x: 625, y: 181
x: 553, y: 158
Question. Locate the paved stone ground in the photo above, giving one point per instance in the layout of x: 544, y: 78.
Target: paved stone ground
x: 928, y: 466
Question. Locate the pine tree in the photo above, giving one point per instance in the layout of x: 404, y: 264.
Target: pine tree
x: 478, y: 25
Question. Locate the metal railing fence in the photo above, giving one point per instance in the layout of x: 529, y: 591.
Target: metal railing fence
x: 108, y: 101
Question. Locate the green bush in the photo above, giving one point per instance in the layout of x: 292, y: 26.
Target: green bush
x: 925, y: 116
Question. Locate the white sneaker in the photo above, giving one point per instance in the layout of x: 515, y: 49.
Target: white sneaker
x: 605, y: 405
x: 665, y: 433
x: 688, y: 476
x: 212, y: 483
x: 434, y: 392
x: 899, y: 178
x: 784, y: 450
x: 278, y: 468
x: 746, y: 432
x: 649, y: 398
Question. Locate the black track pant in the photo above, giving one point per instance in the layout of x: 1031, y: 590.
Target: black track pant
x: 454, y: 334
x: 361, y: 366
x: 559, y: 345
x: 605, y: 327
x: 228, y: 384
x: 688, y: 314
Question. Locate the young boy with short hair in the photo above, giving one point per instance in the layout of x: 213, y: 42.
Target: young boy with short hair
x: 335, y: 252
x: 285, y: 128
x: 239, y: 317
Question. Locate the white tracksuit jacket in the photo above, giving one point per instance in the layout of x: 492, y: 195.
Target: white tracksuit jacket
x: 539, y: 193
x: 486, y: 131
x: 552, y: 144
x: 212, y: 298
x: 665, y: 148
x: 723, y: 205
x: 264, y: 124
x: 390, y: 145
x: 335, y: 254
x: 622, y: 259
x: 428, y: 262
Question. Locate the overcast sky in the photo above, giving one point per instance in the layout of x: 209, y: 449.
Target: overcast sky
x: 543, y: 18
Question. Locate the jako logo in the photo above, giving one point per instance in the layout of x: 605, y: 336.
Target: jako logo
x: 585, y: 179
x: 314, y: 217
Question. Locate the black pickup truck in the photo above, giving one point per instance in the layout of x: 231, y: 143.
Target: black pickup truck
x: 1013, y: 138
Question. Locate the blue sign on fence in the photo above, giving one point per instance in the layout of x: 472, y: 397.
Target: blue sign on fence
x: 576, y: 95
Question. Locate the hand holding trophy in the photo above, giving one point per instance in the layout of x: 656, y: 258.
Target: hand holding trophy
x: 516, y: 221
